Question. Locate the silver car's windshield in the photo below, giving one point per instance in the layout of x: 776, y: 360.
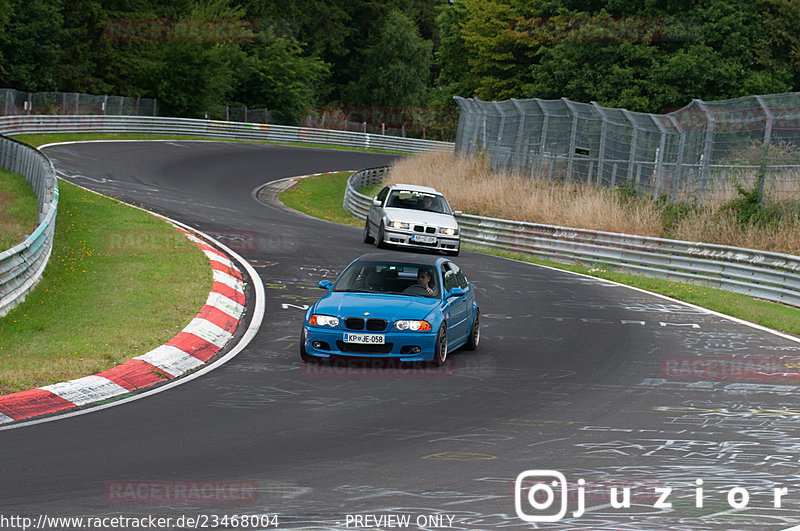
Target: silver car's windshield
x: 416, y: 200
x: 389, y: 277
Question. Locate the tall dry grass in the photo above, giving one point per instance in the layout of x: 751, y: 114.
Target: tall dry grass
x: 471, y: 186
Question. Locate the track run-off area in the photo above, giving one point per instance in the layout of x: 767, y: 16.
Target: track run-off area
x: 658, y: 414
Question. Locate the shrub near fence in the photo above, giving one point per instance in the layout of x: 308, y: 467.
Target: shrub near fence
x: 21, y: 267
x: 766, y: 275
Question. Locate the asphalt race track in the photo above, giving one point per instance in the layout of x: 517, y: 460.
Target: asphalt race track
x: 573, y: 375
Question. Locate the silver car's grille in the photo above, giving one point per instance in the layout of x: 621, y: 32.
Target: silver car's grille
x: 422, y: 228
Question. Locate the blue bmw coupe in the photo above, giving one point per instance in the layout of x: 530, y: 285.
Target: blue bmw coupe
x: 400, y: 306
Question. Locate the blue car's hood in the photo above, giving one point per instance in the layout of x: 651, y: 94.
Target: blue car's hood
x: 379, y: 305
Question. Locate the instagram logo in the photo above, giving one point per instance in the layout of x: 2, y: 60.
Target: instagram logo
x: 535, y: 493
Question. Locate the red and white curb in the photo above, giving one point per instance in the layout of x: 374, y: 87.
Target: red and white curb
x: 211, y: 329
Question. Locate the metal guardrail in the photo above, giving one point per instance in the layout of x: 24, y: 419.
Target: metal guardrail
x: 21, y: 267
x: 253, y: 132
x: 765, y: 275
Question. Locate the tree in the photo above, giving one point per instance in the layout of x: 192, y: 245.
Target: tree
x: 29, y: 49
x: 396, y: 70
x: 499, y: 55
x: 280, y: 78
x: 451, y: 59
x: 193, y: 75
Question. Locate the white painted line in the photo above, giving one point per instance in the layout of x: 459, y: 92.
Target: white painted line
x: 224, y: 304
x: 664, y: 297
x: 5, y: 418
x: 86, y: 390
x: 171, y: 360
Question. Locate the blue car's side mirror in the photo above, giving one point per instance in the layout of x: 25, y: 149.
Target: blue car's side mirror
x: 325, y: 284
x: 456, y: 292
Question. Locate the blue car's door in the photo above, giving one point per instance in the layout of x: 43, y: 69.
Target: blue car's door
x: 456, y: 307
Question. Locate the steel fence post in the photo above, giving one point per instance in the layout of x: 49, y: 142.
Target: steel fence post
x: 709, y: 146
x: 761, y: 177
x: 572, y: 137
x: 634, y: 139
x: 662, y: 145
x: 543, y: 137
x: 520, y: 134
x: 676, y: 178
x: 601, y: 153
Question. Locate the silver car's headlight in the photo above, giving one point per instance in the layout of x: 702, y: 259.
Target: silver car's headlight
x: 398, y: 225
x: 449, y: 231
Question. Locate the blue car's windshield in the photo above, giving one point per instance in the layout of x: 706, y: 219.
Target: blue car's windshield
x: 389, y: 277
x: 416, y: 200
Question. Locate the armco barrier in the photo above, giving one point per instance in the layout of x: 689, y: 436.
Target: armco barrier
x: 762, y: 274
x: 155, y: 125
x: 21, y: 267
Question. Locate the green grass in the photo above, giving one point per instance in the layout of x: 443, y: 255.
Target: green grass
x: 40, y: 139
x: 310, y: 192
x: 321, y: 196
x: 18, y: 209
x: 119, y: 283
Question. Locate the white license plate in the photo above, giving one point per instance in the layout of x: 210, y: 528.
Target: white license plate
x: 365, y: 339
x: 423, y: 239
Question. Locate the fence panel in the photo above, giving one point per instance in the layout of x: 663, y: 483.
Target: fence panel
x: 700, y: 152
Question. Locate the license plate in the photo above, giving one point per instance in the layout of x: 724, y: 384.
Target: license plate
x: 365, y: 339
x: 423, y: 239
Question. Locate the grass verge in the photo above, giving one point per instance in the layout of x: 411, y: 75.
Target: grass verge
x: 321, y: 196
x: 311, y: 191
x: 18, y: 209
x: 119, y: 283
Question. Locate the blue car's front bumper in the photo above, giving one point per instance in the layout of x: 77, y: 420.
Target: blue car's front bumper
x: 325, y: 342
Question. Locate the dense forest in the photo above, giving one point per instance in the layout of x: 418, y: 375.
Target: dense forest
x: 294, y: 55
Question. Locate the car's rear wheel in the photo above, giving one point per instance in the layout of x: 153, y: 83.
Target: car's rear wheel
x: 367, y: 238
x: 381, y: 235
x: 440, y: 351
x: 475, y: 333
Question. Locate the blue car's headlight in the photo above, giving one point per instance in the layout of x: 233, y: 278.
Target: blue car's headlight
x: 323, y: 320
x: 416, y: 326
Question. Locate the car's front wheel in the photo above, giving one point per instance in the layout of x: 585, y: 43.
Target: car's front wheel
x: 440, y: 350
x: 380, y: 240
x: 475, y: 333
x: 367, y: 238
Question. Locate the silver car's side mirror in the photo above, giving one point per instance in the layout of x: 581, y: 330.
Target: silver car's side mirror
x: 376, y: 202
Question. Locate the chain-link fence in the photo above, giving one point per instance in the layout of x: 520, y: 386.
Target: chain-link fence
x: 16, y: 102
x: 698, y: 152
